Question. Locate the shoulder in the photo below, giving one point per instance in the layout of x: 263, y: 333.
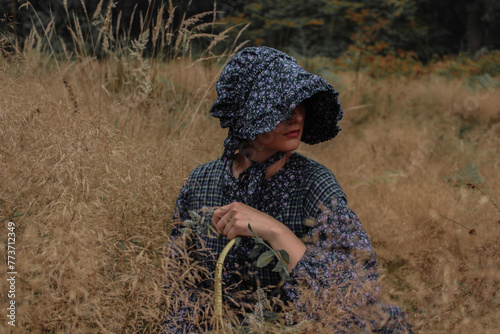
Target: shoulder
x: 319, y: 184
x: 204, y: 185
x: 314, y: 169
x: 316, y: 174
x: 205, y: 176
x: 207, y: 170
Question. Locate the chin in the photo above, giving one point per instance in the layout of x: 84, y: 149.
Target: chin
x: 290, y: 148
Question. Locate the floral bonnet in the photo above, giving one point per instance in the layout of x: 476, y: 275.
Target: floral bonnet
x: 260, y: 86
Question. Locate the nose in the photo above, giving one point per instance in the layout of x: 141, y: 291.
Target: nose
x: 296, y: 115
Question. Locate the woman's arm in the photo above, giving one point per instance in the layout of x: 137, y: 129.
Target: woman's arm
x: 337, y: 237
x: 232, y: 220
x: 335, y: 282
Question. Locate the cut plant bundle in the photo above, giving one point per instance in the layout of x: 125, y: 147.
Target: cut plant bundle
x: 197, y: 223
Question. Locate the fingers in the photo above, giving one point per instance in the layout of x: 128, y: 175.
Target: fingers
x: 226, y: 217
x: 218, y: 214
x: 232, y: 220
x: 225, y: 224
x: 228, y: 227
x: 217, y: 217
x: 235, y: 227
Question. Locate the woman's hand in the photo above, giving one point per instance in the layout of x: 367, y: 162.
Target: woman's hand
x: 232, y: 220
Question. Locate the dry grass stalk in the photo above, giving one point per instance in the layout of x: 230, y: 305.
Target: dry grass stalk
x: 159, y: 24
x: 131, y: 21
x: 97, y: 10
x: 72, y: 95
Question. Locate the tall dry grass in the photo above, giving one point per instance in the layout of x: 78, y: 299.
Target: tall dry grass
x: 436, y: 237
x: 93, y: 153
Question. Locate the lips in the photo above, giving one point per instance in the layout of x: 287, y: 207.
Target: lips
x: 293, y: 133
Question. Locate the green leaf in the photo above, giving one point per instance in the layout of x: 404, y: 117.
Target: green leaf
x: 237, y: 241
x: 255, y: 251
x: 282, y: 269
x: 284, y: 255
x: 265, y: 258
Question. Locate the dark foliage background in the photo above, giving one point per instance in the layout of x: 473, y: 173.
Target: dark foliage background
x: 320, y: 27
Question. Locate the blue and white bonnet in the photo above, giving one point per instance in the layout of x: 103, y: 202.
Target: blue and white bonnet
x: 260, y: 86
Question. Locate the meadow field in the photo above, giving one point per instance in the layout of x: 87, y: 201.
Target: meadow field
x: 93, y: 154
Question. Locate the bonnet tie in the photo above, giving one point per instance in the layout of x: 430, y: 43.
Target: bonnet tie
x: 248, y: 185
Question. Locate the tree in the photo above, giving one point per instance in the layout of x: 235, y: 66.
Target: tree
x: 430, y: 28
x: 455, y: 26
x: 325, y: 27
x: 322, y: 27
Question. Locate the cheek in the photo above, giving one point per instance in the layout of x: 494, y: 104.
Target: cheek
x: 279, y: 128
x: 270, y: 136
x: 266, y: 138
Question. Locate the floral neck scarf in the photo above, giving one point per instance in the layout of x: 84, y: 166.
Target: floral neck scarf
x: 249, y: 182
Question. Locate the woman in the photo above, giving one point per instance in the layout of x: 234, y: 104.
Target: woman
x: 270, y: 104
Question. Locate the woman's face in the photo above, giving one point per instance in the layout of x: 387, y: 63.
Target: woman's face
x: 284, y: 138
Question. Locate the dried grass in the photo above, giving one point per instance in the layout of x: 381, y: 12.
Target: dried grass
x: 93, y: 191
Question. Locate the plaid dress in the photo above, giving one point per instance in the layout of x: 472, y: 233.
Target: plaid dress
x: 306, y: 197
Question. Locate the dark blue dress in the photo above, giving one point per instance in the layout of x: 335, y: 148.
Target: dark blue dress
x: 306, y: 197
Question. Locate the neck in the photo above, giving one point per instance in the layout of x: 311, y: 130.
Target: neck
x: 241, y: 162
x: 259, y: 155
